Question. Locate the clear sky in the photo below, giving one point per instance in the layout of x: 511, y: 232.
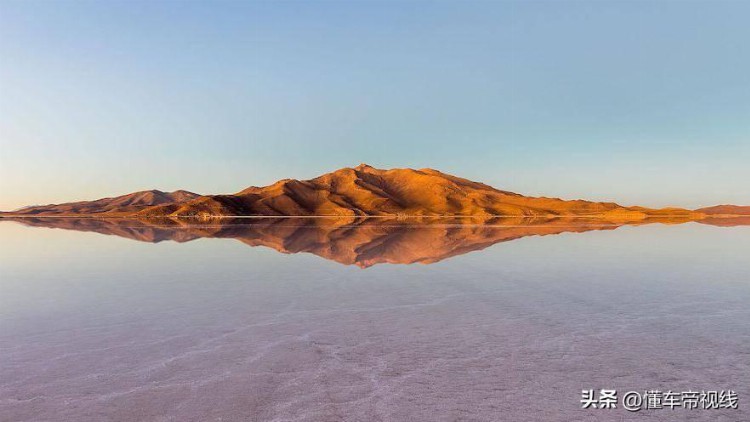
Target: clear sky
x: 640, y: 102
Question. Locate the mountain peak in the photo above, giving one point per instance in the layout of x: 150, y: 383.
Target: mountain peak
x: 367, y: 191
x: 351, y: 192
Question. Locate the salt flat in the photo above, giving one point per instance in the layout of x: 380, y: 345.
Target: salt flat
x: 96, y: 327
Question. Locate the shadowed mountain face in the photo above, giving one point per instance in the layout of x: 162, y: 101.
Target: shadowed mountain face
x: 361, y: 242
x: 359, y: 191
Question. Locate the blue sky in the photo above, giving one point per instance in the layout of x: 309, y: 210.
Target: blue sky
x: 639, y: 102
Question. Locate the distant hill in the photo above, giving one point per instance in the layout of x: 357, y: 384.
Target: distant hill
x: 726, y: 215
x: 118, y: 206
x: 353, y: 192
x: 731, y: 210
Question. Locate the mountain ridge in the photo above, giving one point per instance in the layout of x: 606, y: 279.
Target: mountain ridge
x: 361, y: 191
x: 123, y: 204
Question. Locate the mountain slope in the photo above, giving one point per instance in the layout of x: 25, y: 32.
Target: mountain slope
x: 733, y: 210
x: 367, y: 191
x: 351, y: 192
x: 120, y: 205
x: 726, y: 215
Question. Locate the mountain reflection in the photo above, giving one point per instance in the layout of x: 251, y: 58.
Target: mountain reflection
x: 361, y: 242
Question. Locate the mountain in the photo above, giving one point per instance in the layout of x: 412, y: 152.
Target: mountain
x: 355, y: 192
x: 731, y: 210
x: 726, y: 215
x: 118, y: 206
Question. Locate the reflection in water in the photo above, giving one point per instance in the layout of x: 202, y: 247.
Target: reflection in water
x: 96, y: 328
x: 361, y: 242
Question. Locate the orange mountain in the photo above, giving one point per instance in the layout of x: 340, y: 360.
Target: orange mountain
x: 731, y: 210
x: 119, y: 205
x: 727, y: 215
x: 354, y: 192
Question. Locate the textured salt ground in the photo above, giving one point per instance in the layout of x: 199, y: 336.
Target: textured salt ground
x: 114, y: 330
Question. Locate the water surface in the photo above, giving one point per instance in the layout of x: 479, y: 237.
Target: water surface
x: 484, y: 323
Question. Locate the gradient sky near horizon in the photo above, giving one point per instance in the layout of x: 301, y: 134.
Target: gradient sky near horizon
x: 640, y: 102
